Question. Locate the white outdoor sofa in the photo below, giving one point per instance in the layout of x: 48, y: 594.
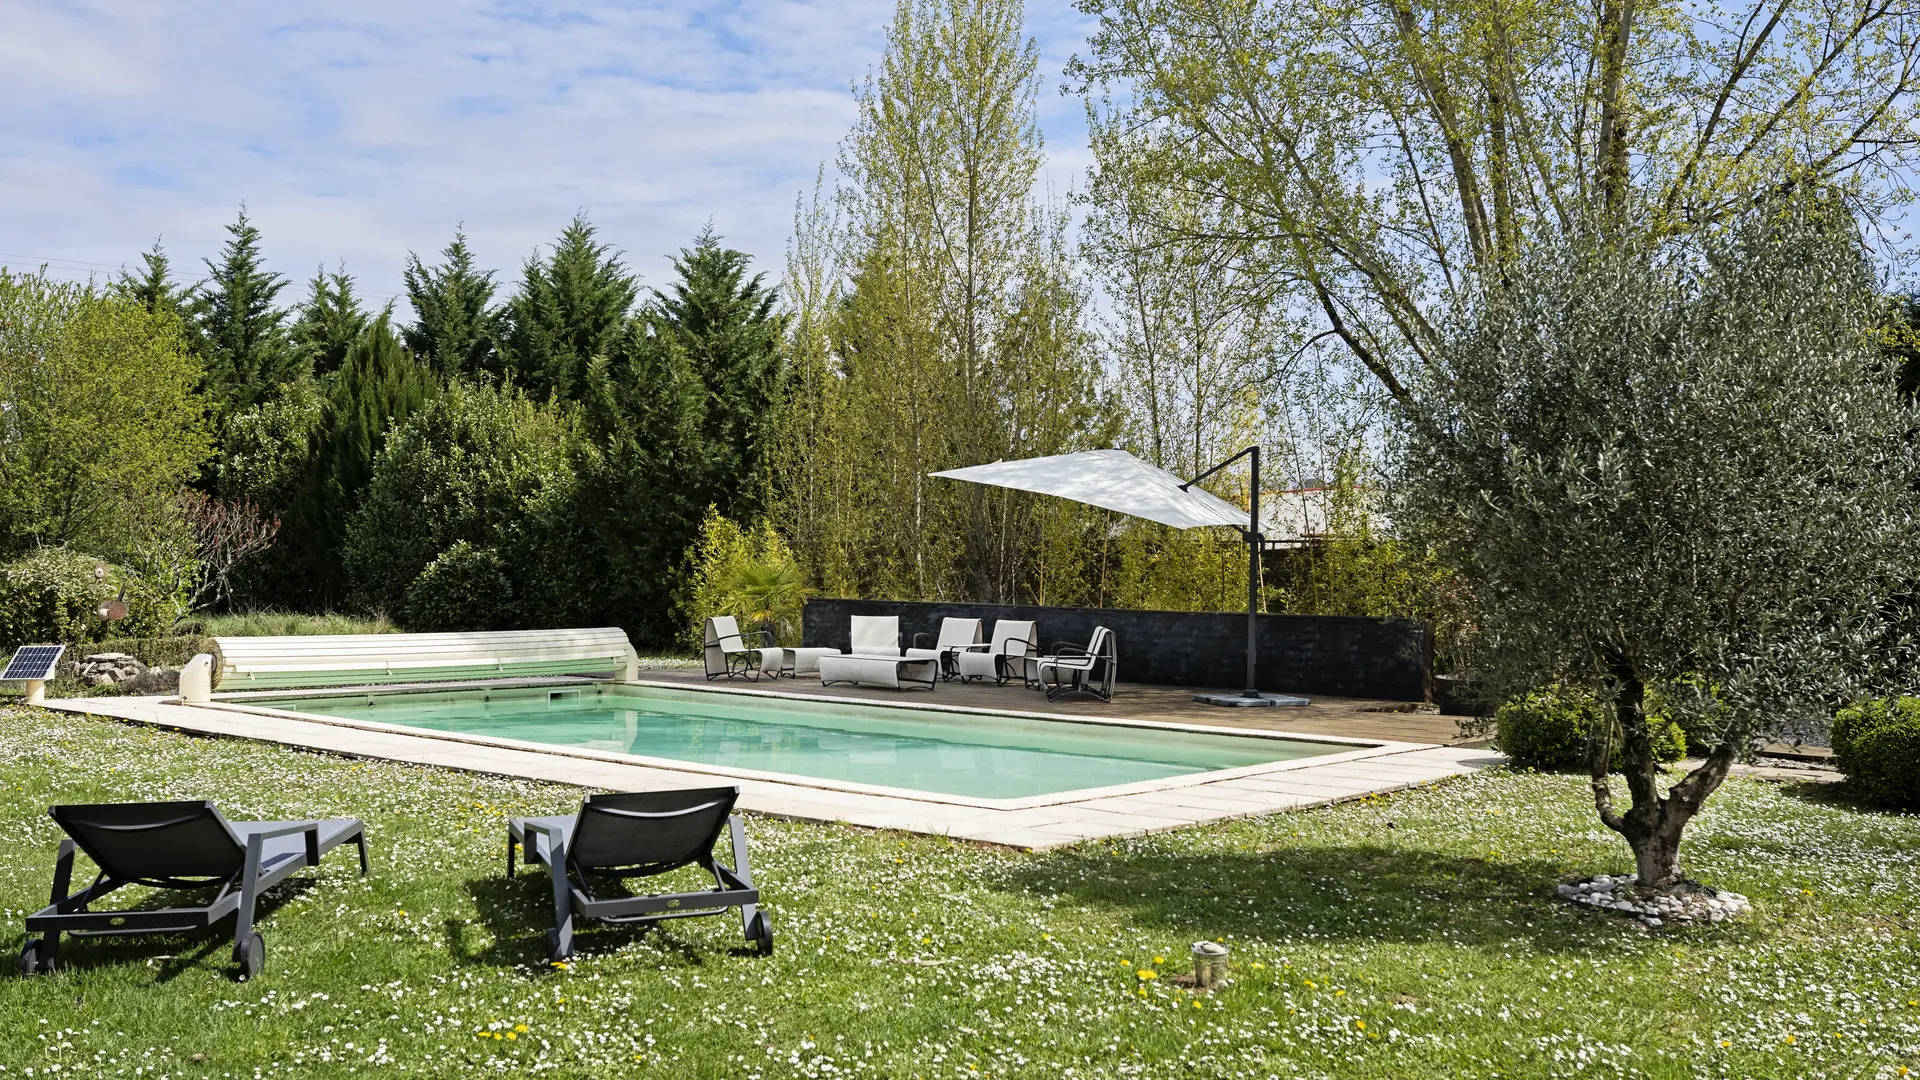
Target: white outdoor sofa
x: 894, y: 672
x: 876, y: 659
x: 282, y: 663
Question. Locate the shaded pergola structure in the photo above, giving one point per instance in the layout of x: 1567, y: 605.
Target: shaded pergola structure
x: 1116, y: 480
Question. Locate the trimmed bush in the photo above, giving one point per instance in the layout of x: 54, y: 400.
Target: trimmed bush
x: 50, y: 595
x: 465, y: 588
x: 1549, y: 729
x: 1877, y: 744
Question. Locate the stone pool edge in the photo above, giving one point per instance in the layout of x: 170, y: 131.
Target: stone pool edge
x: 1203, y: 798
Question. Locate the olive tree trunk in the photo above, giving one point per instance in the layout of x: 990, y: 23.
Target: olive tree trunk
x: 1653, y: 823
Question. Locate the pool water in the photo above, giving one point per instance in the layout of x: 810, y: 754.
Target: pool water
x: 953, y: 753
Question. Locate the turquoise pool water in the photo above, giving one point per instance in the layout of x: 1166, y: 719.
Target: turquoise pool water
x: 983, y: 756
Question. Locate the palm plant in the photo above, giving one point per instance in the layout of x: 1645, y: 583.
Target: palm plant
x: 768, y: 595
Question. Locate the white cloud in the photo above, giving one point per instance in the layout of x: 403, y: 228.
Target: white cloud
x: 359, y: 130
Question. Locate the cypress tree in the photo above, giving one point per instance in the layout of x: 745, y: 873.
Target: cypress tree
x: 572, y: 307
x: 153, y: 288
x: 725, y: 324
x: 328, y: 321
x: 378, y: 385
x: 454, y: 325
x: 240, y: 334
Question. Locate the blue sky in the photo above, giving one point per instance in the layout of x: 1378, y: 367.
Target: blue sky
x: 359, y: 131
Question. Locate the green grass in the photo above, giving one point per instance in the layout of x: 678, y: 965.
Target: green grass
x: 293, y: 624
x: 1410, y: 936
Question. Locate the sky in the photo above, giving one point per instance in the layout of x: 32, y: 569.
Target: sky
x: 358, y: 132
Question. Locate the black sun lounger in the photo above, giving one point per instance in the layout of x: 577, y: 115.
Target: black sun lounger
x: 176, y: 845
x: 637, y: 835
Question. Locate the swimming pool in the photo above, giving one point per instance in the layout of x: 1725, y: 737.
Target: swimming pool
x: 952, y: 752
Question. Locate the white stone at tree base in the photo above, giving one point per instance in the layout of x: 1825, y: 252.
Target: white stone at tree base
x: 1698, y: 905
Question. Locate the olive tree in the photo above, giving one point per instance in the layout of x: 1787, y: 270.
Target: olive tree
x: 1674, y: 469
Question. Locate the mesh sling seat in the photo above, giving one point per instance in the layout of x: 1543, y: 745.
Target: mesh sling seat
x: 729, y: 652
x: 176, y: 845
x: 955, y: 635
x: 638, y: 835
x: 1072, y: 669
x: 1010, y: 648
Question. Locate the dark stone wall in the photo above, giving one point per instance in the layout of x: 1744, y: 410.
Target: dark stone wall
x: 1306, y: 654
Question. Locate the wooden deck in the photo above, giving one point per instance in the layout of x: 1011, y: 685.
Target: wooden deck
x: 1348, y: 717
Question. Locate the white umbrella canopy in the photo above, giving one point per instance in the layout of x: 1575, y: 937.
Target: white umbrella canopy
x: 1113, y: 480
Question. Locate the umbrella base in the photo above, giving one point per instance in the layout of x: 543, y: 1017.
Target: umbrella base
x: 1244, y: 701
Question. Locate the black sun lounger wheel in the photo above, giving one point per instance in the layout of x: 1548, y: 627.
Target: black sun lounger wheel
x: 760, y: 933
x: 618, y: 838
x: 177, y: 845
x: 251, y: 955
x: 36, y: 958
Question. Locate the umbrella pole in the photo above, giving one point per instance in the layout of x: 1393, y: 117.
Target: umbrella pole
x: 1253, y: 573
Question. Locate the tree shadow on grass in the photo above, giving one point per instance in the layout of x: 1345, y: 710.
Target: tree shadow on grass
x: 171, y: 954
x: 1366, y: 893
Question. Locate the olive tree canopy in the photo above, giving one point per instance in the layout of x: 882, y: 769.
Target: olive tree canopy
x: 1674, y: 468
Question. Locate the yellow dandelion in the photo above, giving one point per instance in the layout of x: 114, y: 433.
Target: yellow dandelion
x: 403, y: 914
x: 1159, y: 959
x: 1311, y: 985
x: 1726, y: 1042
x: 511, y: 1035
x: 561, y: 964
x: 1147, y: 974
x: 1789, y: 1040
x: 1257, y: 965
x: 1339, y: 993
x: 520, y: 1028
x: 1361, y: 1024
x: 1196, y: 1004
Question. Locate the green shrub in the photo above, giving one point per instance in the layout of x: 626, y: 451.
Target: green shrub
x: 481, y: 465
x: 1877, y: 744
x: 750, y: 574
x: 51, y: 594
x: 465, y: 588
x: 1549, y: 729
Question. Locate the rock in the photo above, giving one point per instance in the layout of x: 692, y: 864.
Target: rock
x: 101, y: 678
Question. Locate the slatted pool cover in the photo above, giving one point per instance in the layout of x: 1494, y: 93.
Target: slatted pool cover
x: 33, y: 663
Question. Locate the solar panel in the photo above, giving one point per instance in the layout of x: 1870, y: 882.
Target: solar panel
x: 33, y: 662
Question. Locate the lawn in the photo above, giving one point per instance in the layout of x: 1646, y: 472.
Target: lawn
x: 1416, y: 935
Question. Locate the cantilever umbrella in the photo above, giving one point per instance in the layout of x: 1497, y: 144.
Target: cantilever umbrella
x: 1116, y: 480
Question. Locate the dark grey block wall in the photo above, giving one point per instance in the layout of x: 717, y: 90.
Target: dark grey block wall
x: 1306, y: 654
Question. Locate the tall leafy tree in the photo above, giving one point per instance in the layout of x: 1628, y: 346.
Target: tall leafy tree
x: 726, y: 325
x: 328, y: 321
x: 152, y: 287
x: 571, y: 307
x: 240, y: 334
x: 104, y: 420
x: 960, y: 335
x: 379, y: 384
x: 454, y: 322
x: 1677, y: 471
x: 1378, y: 160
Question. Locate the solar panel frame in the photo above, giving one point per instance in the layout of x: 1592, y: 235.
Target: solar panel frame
x: 33, y: 663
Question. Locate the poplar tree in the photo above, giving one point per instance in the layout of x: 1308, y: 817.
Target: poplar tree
x: 1380, y: 160
x: 454, y: 321
x: 960, y: 338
